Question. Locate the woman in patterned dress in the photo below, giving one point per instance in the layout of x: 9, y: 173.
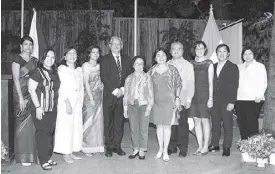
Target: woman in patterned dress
x: 92, y: 106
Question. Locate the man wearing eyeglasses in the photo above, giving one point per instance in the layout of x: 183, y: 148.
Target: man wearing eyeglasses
x: 114, y: 68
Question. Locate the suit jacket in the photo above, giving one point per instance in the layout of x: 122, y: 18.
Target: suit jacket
x: 226, y: 85
x: 109, y: 75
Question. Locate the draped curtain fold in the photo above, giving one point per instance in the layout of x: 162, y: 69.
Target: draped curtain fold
x: 61, y: 29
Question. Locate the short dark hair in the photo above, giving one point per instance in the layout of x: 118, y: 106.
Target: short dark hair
x: 134, y: 60
x: 200, y: 42
x: 245, y: 49
x: 223, y: 45
x: 155, y: 53
x: 26, y: 37
x: 88, y: 52
x: 43, y: 57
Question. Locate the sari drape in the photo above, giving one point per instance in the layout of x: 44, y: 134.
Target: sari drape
x: 25, y: 149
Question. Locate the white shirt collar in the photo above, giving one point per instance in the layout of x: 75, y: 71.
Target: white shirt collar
x: 115, y: 55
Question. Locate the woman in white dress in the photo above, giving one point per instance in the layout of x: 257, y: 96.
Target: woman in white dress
x: 69, y: 128
x: 92, y: 107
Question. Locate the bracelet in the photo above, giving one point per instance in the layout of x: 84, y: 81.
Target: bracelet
x: 37, y: 107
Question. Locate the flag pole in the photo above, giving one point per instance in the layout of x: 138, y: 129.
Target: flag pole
x: 211, y: 9
x: 22, y: 18
x: 135, y: 28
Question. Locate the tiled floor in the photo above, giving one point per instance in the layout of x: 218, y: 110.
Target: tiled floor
x: 212, y: 163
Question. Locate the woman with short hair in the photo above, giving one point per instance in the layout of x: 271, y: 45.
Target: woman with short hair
x: 250, y: 97
x: 137, y: 103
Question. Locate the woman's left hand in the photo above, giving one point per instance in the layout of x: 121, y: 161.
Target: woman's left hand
x: 210, y: 103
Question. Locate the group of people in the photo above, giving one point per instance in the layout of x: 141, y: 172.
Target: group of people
x: 67, y: 108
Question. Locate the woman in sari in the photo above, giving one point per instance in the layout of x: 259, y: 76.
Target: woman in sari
x: 23, y: 64
x: 92, y: 106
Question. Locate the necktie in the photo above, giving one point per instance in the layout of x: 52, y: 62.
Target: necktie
x: 118, y: 67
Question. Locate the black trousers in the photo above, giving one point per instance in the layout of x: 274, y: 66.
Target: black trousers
x: 248, y: 113
x: 219, y: 115
x: 180, y: 133
x: 113, y: 124
x: 44, y: 131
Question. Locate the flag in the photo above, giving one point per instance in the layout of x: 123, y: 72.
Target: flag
x: 39, y: 44
x: 212, y: 37
x: 233, y: 37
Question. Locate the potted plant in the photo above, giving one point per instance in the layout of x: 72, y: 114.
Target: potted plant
x: 4, y: 151
x: 257, y: 148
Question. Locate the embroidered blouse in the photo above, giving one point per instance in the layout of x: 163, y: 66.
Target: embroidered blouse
x: 138, y: 88
x: 47, y: 88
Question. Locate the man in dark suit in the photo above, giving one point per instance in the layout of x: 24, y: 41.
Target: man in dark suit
x: 225, y: 85
x: 114, y: 68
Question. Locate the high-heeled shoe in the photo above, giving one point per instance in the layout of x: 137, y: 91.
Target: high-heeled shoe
x: 165, y: 157
x: 158, y: 155
x: 141, y: 157
x: 197, y: 153
x: 132, y: 156
x: 203, y: 153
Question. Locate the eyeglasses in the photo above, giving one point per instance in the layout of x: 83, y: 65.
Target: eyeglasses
x: 139, y: 64
x: 198, y: 49
x: 116, y: 44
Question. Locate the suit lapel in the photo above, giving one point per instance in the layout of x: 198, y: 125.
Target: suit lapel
x: 223, y: 70
x: 113, y: 63
x: 215, y: 70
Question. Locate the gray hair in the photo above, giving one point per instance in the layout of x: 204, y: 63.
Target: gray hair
x: 116, y: 37
x: 176, y: 42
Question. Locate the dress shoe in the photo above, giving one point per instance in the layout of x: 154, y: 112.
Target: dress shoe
x: 213, y: 148
x: 173, y: 150
x: 108, y: 153
x: 132, y: 156
x: 141, y: 157
x: 226, y: 151
x: 182, y: 154
x: 119, y: 151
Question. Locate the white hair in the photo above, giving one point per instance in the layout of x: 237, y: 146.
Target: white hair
x: 116, y: 37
